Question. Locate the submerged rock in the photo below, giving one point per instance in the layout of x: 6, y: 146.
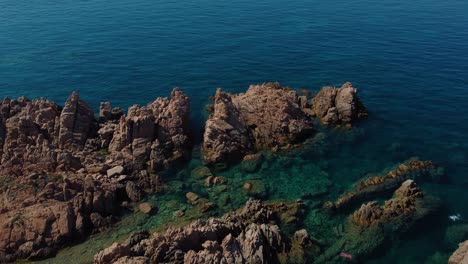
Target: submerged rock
x: 265, y: 116
x: 373, y: 225
x: 378, y: 185
x: 252, y: 162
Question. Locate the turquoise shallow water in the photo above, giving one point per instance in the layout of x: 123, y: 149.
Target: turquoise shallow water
x: 409, y: 59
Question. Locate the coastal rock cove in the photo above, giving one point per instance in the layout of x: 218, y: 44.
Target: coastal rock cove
x: 138, y: 187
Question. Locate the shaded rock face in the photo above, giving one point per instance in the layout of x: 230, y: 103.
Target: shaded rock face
x: 158, y: 133
x: 402, y: 204
x: 77, y: 122
x: 460, y: 256
x: 59, y: 183
x: 249, y: 235
x: 338, y: 106
x: 265, y: 116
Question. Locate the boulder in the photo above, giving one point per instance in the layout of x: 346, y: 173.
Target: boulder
x: 338, y: 106
x: 77, y: 122
x: 252, y: 162
x: 146, y: 208
x: 115, y: 171
x: 265, y: 116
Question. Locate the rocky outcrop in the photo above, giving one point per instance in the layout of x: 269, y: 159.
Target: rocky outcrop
x: 77, y: 122
x: 226, y: 136
x: 460, y: 256
x: 338, y: 106
x: 41, y: 213
x: 385, y: 184
x: 402, y: 204
x: 373, y: 225
x: 158, y: 133
x: 249, y: 235
x: 265, y: 116
x: 60, y: 183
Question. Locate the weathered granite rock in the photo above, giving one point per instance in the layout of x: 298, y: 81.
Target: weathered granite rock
x: 64, y: 210
x: 157, y: 133
x: 249, y: 235
x: 54, y: 186
x: 265, y: 116
x: 338, y: 106
x: 460, y: 256
x: 29, y: 130
x: 77, y: 122
x: 226, y: 137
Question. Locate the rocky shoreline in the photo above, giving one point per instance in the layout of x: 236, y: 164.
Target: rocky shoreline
x: 66, y: 173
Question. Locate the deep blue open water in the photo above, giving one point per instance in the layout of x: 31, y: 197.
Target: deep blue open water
x: 409, y: 60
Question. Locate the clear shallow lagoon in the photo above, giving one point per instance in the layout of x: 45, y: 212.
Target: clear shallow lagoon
x: 409, y: 59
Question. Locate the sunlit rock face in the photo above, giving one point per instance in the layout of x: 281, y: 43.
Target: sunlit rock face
x: 265, y: 116
x: 158, y: 133
x: 338, y: 106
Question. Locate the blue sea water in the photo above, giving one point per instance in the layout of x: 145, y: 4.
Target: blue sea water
x: 409, y: 60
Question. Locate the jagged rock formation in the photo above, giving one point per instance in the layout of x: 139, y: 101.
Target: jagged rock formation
x: 77, y: 122
x: 403, y: 204
x: 158, y: 132
x: 249, y: 235
x: 378, y: 185
x: 460, y: 256
x: 40, y: 213
x: 338, y: 106
x: 265, y: 116
x: 373, y: 225
x: 58, y: 181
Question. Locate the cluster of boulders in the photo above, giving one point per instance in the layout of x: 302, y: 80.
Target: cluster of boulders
x: 249, y: 235
x: 64, y: 173
x: 273, y: 117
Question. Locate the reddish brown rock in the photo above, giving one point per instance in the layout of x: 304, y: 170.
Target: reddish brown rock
x: 374, y: 225
x: 265, y: 116
x: 77, y: 122
x: 335, y: 106
x: 387, y: 183
x: 157, y: 133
